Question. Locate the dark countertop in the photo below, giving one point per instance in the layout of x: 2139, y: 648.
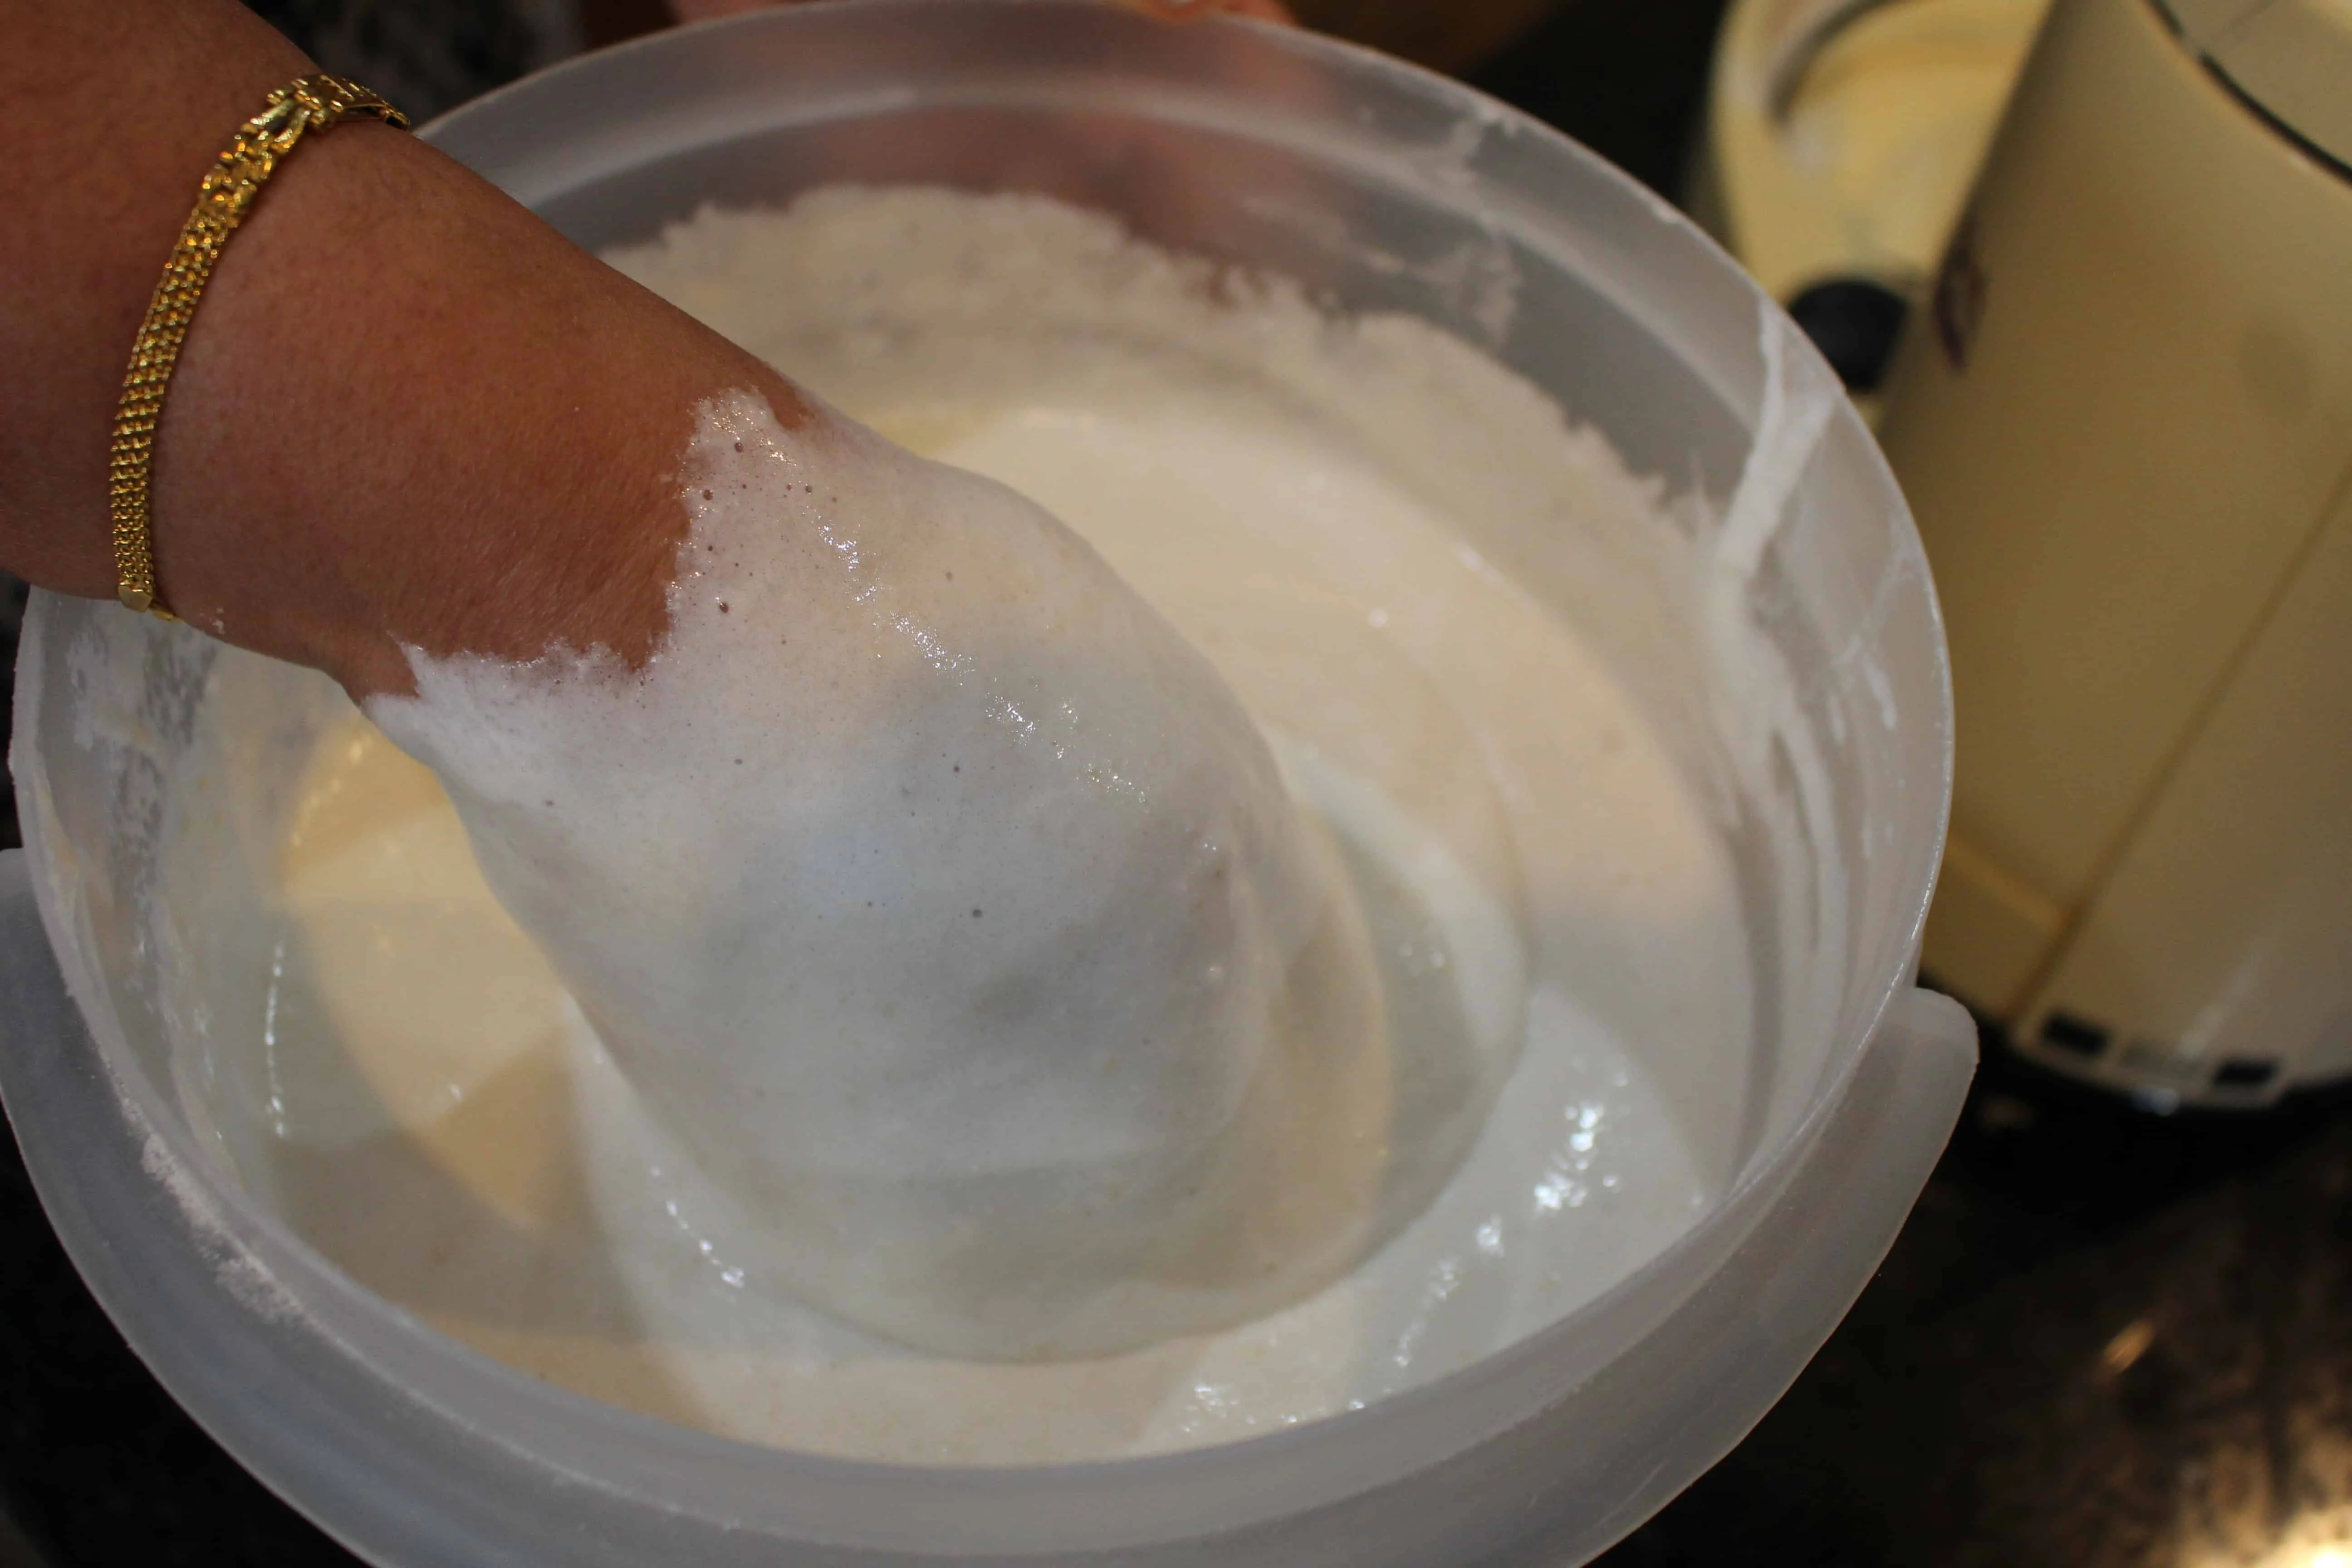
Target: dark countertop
x: 2104, y: 1340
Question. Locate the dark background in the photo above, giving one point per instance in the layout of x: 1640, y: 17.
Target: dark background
x: 2104, y: 1340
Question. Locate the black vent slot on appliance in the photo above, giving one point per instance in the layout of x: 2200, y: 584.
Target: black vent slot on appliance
x: 2079, y: 1037
x: 2243, y: 1072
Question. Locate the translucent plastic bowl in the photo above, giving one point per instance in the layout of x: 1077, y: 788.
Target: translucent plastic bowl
x: 1387, y: 188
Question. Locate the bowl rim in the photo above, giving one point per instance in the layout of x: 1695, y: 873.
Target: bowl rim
x: 483, y: 1393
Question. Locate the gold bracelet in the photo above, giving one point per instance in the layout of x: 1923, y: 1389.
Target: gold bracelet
x: 313, y: 103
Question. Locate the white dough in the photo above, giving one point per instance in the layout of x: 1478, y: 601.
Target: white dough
x: 1506, y: 895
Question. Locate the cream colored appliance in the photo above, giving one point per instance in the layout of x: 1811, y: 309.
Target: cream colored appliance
x: 1841, y: 138
x: 2125, y: 422
x: 1842, y: 135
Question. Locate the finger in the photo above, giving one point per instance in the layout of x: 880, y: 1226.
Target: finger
x: 1186, y: 10
x: 704, y: 10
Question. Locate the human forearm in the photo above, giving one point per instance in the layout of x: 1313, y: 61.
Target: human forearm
x: 407, y: 412
x: 112, y: 112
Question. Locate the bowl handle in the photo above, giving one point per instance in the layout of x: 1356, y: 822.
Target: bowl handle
x: 1701, y: 1380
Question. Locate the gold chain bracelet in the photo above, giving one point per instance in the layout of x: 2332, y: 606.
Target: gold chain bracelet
x: 313, y: 103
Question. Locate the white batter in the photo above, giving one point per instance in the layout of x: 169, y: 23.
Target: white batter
x: 1535, y: 891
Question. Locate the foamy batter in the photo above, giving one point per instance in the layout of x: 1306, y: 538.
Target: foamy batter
x: 951, y: 907
x: 1542, y: 902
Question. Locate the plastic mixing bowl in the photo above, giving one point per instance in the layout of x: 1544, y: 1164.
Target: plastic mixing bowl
x: 1385, y: 188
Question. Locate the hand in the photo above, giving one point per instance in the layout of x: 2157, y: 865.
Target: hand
x: 945, y: 904
x: 415, y: 434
